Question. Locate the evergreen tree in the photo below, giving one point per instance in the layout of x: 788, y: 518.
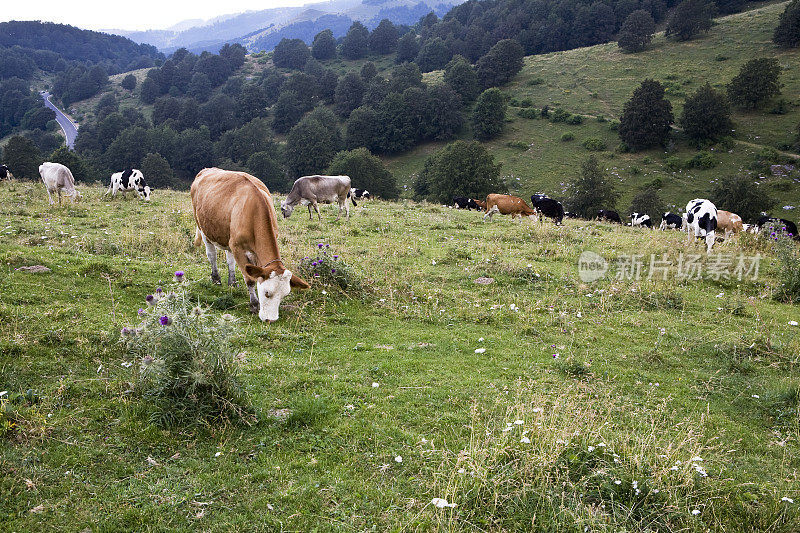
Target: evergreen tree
x: 407, y: 48
x: 787, y: 33
x: 461, y: 169
x: 324, y: 46
x: 356, y: 43
x: 22, y: 157
x: 366, y: 171
x: 690, y: 18
x: 637, y: 31
x: 706, y: 115
x: 129, y: 82
x: 460, y: 76
x: 291, y: 53
x: 646, y: 117
x: 757, y: 82
x: 349, y: 93
x: 383, y: 39
x: 157, y: 172
x: 489, y: 115
x: 501, y: 63
x: 591, y: 191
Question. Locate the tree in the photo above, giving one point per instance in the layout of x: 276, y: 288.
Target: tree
x: 361, y: 129
x: 706, y: 115
x: 740, y: 195
x: 129, y: 82
x: 240, y: 143
x: 266, y: 167
x: 407, y: 48
x: 366, y: 171
x: 291, y: 53
x: 234, y: 54
x: 383, y: 39
x: 324, y: 46
x: 157, y: 172
x: 445, y: 115
x: 501, y: 63
x: 648, y: 201
x: 200, y: 87
x: 394, y: 134
x: 286, y: 112
x: 356, y: 43
x: 646, y: 117
x: 368, y: 71
x: 591, y: 190
x: 787, y: 33
x: 107, y: 105
x: 22, y: 157
x: 462, y: 168
x: 757, y: 82
x: 405, y: 76
x: 349, y: 93
x: 690, y: 18
x: 489, y: 115
x: 637, y: 31
x: 251, y: 102
x: 459, y: 75
x: 433, y: 55
x: 310, y: 147
x: 149, y: 91
x: 71, y: 160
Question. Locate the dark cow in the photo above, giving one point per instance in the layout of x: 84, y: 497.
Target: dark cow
x: 461, y: 202
x: 548, y: 207
x: 360, y: 194
x: 671, y: 221
x: 609, y: 216
x: 129, y: 180
x: 5, y: 173
x: 791, y: 227
x: 642, y: 220
x: 701, y: 219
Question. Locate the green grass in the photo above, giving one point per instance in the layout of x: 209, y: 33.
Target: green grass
x: 658, y: 371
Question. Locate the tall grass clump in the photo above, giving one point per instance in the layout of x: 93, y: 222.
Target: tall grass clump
x: 788, y: 263
x: 187, y: 364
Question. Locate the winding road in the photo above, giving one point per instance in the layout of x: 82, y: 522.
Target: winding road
x: 69, y: 128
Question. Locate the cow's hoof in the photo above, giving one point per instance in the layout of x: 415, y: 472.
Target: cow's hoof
x: 216, y: 281
x: 233, y: 284
x: 254, y: 309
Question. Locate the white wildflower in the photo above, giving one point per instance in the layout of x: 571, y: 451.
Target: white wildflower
x: 480, y: 350
x: 696, y: 512
x: 519, y: 422
x: 441, y: 503
x: 793, y: 322
x: 525, y: 440
x: 787, y: 499
x: 375, y: 384
x: 398, y: 459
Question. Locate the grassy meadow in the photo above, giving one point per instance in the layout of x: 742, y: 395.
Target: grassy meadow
x: 618, y: 405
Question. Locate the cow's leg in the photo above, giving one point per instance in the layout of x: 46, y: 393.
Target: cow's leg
x: 709, y: 241
x: 347, y: 208
x: 59, y: 197
x: 49, y: 197
x: 231, y: 268
x: 211, y: 253
x: 241, y: 259
x: 316, y: 208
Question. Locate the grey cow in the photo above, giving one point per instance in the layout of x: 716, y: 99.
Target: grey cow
x: 57, y: 177
x: 313, y: 190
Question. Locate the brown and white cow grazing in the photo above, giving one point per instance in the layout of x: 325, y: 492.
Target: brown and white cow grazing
x: 57, y: 177
x: 728, y: 223
x: 505, y: 204
x: 234, y: 212
x: 314, y: 190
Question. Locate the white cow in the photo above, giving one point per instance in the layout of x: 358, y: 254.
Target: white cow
x: 57, y: 177
x: 701, y: 218
x: 130, y: 180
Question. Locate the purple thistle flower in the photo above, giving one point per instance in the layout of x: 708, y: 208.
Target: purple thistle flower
x: 335, y: 257
x: 165, y: 320
x: 125, y: 331
x: 179, y: 275
x: 314, y: 263
x: 333, y: 271
x: 320, y: 245
x: 327, y: 246
x: 159, y: 290
x: 316, y: 275
x: 141, y: 312
x: 150, y: 299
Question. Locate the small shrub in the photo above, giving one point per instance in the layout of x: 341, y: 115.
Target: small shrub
x: 568, y: 136
x: 545, y: 111
x: 781, y: 107
x: 187, y: 363
x: 593, y: 144
x: 528, y: 112
x: 726, y: 143
x: 559, y: 115
x: 635, y: 170
x: 647, y: 160
x: 721, y: 57
x: 622, y: 148
x: 601, y: 119
x: 789, y: 264
x: 519, y: 145
x: 574, y: 120
x: 536, y: 81
x: 702, y: 160
x: 673, y: 163
x: 613, y: 125
x: 329, y: 270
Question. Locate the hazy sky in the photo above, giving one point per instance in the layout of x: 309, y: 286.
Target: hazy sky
x: 130, y: 15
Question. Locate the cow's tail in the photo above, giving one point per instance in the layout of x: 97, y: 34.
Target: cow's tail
x: 352, y: 199
x: 198, y: 240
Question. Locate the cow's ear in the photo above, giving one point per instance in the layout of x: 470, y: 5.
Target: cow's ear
x: 255, y: 271
x: 298, y: 282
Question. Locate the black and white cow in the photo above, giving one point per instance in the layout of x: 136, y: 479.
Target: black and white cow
x: 5, y: 174
x: 640, y: 219
x: 791, y: 227
x: 129, y: 180
x: 461, y: 202
x: 609, y: 216
x: 548, y: 207
x: 701, y: 219
x: 360, y: 194
x: 671, y: 221
x: 570, y: 214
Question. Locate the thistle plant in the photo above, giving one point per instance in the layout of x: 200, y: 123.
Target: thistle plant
x: 186, y: 362
x: 328, y: 269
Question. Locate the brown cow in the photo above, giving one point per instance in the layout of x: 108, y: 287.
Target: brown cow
x: 729, y: 223
x: 234, y: 212
x: 506, y: 204
x: 480, y: 203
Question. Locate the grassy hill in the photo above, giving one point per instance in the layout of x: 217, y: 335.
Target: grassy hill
x: 598, y: 80
x: 650, y: 404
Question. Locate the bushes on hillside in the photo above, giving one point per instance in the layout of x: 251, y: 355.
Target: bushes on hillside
x: 706, y: 115
x: 324, y: 45
x: 500, y: 64
x: 291, y: 53
x: 592, y: 190
x: 646, y: 117
x: 366, y: 171
x: 742, y: 196
x: 459, y: 169
x: 489, y: 115
x: 690, y: 18
x: 758, y: 81
x: 787, y: 33
x: 637, y: 31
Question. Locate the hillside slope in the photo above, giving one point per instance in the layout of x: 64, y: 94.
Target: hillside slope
x: 598, y: 80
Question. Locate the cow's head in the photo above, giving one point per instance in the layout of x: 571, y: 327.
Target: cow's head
x: 144, y: 193
x: 286, y: 209
x: 271, y: 287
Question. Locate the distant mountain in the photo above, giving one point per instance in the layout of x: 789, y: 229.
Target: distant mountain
x: 262, y: 30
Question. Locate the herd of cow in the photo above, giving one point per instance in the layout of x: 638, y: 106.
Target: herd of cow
x: 234, y: 212
x: 702, y: 218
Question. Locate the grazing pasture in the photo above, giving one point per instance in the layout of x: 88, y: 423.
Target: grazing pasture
x: 534, y: 401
